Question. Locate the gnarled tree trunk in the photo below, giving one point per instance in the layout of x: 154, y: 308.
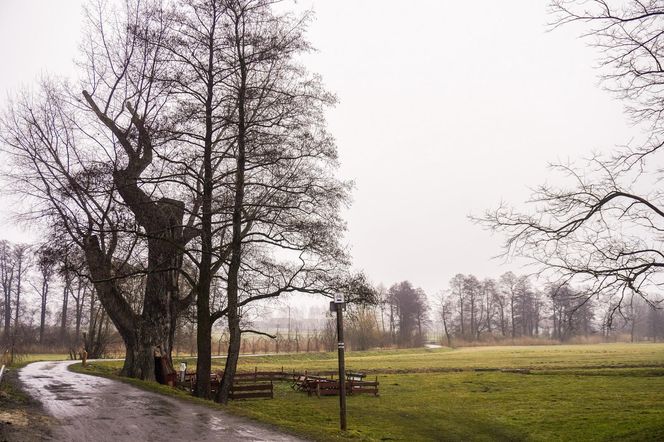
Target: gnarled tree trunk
x: 162, y: 221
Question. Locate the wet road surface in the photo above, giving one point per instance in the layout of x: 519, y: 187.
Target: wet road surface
x: 91, y: 408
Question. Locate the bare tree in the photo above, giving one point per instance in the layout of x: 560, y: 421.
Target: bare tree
x: 22, y: 264
x: 363, y: 330
x: 281, y: 197
x: 87, y: 166
x: 457, y: 290
x: 446, y: 309
x: 629, y: 37
x: 490, y: 306
x: 256, y: 163
x: 7, y: 281
x: 46, y: 262
x: 411, y: 307
x: 603, y: 228
x: 571, y: 312
x: 197, y: 110
x: 127, y: 100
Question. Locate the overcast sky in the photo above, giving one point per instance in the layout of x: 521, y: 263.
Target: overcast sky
x: 446, y: 108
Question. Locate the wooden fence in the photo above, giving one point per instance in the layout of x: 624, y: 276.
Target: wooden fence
x: 251, y: 391
x: 260, y: 384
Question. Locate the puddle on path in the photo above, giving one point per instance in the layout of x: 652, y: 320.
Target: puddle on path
x: 99, y: 409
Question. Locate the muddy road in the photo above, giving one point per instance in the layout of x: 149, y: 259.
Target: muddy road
x: 91, y: 408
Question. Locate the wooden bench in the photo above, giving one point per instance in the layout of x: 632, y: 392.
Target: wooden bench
x: 252, y: 391
x: 355, y: 376
x: 357, y: 387
x: 243, y: 388
x: 329, y: 387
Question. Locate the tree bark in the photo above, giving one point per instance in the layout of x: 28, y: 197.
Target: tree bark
x: 143, y: 334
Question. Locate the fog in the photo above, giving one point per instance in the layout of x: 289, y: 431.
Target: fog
x: 445, y: 110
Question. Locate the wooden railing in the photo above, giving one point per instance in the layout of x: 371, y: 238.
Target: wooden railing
x: 260, y: 384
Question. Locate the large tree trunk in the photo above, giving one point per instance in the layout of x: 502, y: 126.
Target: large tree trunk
x: 162, y: 221
x: 141, y: 350
x: 230, y: 368
x: 161, y: 289
x: 148, y: 333
x: 204, y: 356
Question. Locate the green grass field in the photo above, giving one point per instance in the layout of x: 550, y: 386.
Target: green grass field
x: 584, y: 392
x: 22, y: 360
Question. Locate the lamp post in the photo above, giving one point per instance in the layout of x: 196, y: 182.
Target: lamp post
x: 338, y: 305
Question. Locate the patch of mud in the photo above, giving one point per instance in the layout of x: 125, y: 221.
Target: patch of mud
x: 21, y: 418
x: 14, y: 417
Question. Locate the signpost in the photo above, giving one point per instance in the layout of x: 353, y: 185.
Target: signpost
x: 339, y: 306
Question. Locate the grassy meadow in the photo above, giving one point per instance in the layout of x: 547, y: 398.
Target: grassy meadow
x: 575, y: 392
x: 21, y: 360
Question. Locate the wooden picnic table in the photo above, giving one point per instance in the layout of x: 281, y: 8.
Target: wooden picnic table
x: 322, y: 386
x: 355, y: 376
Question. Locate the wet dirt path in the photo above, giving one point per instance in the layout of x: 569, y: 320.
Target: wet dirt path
x: 91, y: 408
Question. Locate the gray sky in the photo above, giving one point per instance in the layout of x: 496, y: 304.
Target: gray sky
x: 446, y: 109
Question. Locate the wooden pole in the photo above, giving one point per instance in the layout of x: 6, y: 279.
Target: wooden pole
x: 342, y: 366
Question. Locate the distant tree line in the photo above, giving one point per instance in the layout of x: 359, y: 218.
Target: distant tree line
x: 48, y: 304
x: 512, y: 307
